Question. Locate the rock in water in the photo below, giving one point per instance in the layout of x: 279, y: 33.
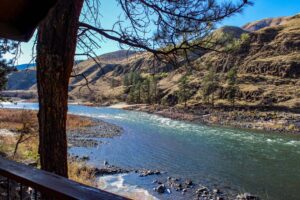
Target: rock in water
x: 189, y: 182
x: 201, y: 190
x: 146, y: 172
x: 247, y: 196
x: 161, y: 188
x: 85, y: 158
x: 216, y: 191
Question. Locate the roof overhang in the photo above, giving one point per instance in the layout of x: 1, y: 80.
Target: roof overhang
x: 19, y: 18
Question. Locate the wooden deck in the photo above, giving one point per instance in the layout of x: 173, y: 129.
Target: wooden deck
x: 52, y: 185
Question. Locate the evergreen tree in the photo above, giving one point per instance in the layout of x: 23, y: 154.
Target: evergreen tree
x: 10, y: 47
x: 210, y: 86
x: 146, y: 89
x: 154, y: 88
x: 138, y: 92
x: 232, y: 85
x: 126, y: 81
x: 130, y: 97
x: 184, y: 92
x: 133, y: 83
x: 141, y: 89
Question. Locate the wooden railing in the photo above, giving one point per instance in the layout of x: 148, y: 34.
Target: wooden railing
x: 19, y: 181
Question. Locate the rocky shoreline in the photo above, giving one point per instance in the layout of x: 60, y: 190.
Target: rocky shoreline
x: 168, y: 187
x: 90, y: 136
x: 252, y: 119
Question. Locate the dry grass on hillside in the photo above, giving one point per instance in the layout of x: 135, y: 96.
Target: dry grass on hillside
x: 28, y: 152
x: 81, y: 172
x: 13, y: 120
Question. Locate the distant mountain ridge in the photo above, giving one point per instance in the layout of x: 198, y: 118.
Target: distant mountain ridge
x: 116, y: 55
x: 232, y: 30
x: 268, y: 22
x: 23, y: 79
x: 25, y: 66
x: 267, y: 61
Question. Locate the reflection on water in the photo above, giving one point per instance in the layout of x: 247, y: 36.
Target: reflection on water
x: 260, y: 163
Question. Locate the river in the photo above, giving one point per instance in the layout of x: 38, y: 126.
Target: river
x: 261, y: 163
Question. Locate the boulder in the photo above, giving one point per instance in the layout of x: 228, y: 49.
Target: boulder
x: 216, y: 191
x: 189, y: 182
x: 201, y: 190
x: 161, y: 188
x: 146, y: 172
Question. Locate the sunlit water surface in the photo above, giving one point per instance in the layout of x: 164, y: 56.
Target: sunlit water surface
x: 261, y: 163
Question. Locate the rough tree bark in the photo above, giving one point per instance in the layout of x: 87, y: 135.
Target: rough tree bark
x: 56, y: 46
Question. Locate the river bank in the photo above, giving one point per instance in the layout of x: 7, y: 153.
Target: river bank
x: 85, y: 132
x: 244, y: 118
x: 81, y: 131
x: 278, y: 120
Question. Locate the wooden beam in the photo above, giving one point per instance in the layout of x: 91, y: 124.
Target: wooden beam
x: 19, y: 18
x: 50, y: 184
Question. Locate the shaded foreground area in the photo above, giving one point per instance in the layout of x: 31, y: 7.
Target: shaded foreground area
x: 27, y: 182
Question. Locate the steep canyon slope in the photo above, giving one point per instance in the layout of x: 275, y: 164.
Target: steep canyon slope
x: 265, y: 56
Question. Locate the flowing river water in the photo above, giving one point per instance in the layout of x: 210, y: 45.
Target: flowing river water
x: 265, y: 164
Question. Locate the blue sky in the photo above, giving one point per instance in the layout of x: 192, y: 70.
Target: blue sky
x: 261, y: 9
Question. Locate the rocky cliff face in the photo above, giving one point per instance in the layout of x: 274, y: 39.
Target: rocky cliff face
x: 268, y: 65
x: 267, y: 60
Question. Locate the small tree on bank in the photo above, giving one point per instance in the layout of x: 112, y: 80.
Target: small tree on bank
x: 146, y: 91
x: 27, y: 131
x: 232, y: 85
x: 209, y: 86
x: 184, y: 92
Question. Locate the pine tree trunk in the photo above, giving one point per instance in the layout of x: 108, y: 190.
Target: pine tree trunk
x: 56, y: 46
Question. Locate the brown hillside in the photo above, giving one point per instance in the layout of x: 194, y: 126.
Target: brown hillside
x: 267, y: 61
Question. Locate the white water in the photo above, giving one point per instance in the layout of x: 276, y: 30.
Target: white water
x: 260, y: 163
x: 116, y: 184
